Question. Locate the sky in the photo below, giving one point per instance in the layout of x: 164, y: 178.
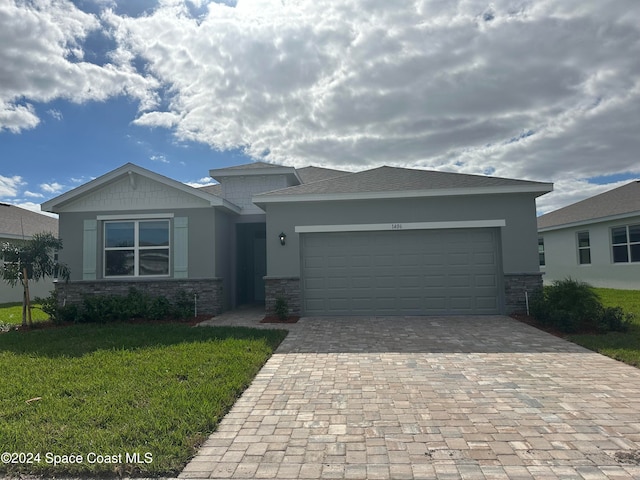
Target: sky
x: 545, y: 90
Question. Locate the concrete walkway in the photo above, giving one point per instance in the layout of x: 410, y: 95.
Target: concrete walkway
x: 411, y: 398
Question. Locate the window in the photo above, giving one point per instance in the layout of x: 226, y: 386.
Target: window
x: 136, y: 248
x: 625, y: 244
x: 584, y: 248
x: 541, y: 251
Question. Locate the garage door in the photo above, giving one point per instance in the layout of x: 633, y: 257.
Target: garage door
x: 411, y: 272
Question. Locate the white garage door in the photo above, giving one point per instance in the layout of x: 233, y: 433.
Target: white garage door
x: 411, y: 272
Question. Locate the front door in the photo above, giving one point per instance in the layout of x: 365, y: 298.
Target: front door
x: 251, y: 262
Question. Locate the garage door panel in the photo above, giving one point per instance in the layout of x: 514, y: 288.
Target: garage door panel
x: 401, y: 273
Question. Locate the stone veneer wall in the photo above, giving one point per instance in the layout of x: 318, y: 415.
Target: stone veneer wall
x: 285, y: 287
x: 210, y: 297
x: 515, y: 286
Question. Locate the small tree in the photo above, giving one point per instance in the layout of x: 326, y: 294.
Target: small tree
x: 31, y: 259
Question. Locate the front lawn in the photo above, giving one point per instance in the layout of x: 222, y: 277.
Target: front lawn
x: 132, y: 399
x: 11, y: 313
x: 623, y: 346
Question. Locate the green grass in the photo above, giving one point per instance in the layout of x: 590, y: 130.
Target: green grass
x: 623, y: 346
x: 121, y: 389
x: 11, y: 313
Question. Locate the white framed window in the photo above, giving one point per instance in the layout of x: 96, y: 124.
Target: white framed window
x: 541, y: 258
x: 136, y: 248
x: 625, y: 244
x: 584, y: 248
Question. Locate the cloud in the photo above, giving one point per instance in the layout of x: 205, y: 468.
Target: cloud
x: 202, y: 182
x: 54, y: 187
x: 9, y: 185
x: 540, y: 90
x: 158, y: 158
x: 27, y: 193
x: 55, y: 114
x: 42, y: 59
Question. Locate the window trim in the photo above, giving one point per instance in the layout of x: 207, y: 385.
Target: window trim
x: 586, y: 248
x: 628, y: 244
x: 136, y: 246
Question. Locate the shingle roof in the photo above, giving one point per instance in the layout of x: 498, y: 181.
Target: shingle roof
x: 619, y: 201
x: 392, y: 179
x: 212, y: 189
x: 251, y: 166
x: 16, y: 222
x: 315, y: 174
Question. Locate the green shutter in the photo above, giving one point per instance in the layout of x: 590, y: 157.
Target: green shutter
x: 181, y: 247
x: 89, y: 249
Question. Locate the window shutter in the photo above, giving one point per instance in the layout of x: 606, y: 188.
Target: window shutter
x: 180, y: 247
x: 89, y: 249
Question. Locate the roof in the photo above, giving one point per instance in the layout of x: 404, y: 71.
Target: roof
x: 397, y: 182
x: 621, y: 201
x: 16, y: 222
x: 315, y: 174
x: 256, y: 168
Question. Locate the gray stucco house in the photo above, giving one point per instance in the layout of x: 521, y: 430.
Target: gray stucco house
x: 388, y: 241
x: 596, y: 240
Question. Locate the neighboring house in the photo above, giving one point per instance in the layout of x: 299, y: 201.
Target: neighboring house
x: 596, y: 240
x: 19, y: 224
x: 386, y: 241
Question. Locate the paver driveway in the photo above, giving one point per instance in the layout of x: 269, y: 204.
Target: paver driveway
x: 460, y: 397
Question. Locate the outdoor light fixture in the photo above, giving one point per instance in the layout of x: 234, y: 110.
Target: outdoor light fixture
x: 282, y: 238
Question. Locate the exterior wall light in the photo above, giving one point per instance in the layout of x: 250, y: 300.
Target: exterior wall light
x: 283, y: 238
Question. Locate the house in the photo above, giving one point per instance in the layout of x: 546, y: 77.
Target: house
x: 596, y: 240
x: 389, y: 241
x: 19, y: 224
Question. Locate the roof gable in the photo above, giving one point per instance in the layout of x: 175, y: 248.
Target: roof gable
x: 623, y: 200
x: 131, y: 187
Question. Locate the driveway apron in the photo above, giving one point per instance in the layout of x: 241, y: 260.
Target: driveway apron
x: 424, y: 397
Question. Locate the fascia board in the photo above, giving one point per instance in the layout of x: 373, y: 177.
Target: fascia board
x: 442, y: 192
x: 591, y: 221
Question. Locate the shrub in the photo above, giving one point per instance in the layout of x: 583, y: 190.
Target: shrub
x: 572, y: 306
x: 109, y: 308
x: 281, y: 308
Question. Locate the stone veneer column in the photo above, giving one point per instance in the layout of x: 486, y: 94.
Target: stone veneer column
x: 285, y: 287
x: 515, y: 286
x: 210, y: 296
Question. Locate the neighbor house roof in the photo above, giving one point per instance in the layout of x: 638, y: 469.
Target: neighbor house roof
x: 18, y: 223
x: 387, y: 182
x: 619, y: 202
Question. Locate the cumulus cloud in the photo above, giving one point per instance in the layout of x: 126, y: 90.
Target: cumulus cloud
x: 202, y: 182
x: 29, y: 194
x: 42, y: 59
x: 546, y: 90
x: 9, y: 186
x: 34, y: 207
x: 541, y: 90
x: 53, y: 187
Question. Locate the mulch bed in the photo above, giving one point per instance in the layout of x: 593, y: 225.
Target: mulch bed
x: 191, y: 321
x: 529, y: 320
x: 276, y: 319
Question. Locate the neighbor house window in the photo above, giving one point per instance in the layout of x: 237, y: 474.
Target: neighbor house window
x: 584, y: 248
x: 541, y: 251
x: 625, y: 244
x: 136, y: 248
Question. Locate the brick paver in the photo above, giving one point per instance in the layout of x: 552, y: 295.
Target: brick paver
x: 422, y: 398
